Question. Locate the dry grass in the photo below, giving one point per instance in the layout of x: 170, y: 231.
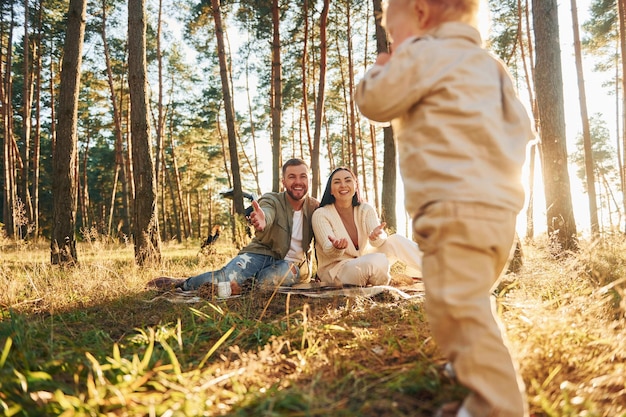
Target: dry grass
x: 91, y: 340
x: 566, y: 320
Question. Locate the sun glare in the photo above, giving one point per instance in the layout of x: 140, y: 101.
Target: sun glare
x: 484, y: 19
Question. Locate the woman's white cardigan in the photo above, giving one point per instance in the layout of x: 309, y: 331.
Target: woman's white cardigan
x: 327, y: 222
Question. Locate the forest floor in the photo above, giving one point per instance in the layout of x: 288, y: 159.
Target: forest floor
x: 92, y: 340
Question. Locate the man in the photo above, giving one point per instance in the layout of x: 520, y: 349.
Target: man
x: 280, y: 252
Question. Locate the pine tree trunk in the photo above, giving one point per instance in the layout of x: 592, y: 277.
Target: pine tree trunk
x: 621, y: 5
x: 371, y: 130
x: 64, y: 158
x: 561, y: 225
x: 255, y: 168
x: 529, y: 67
x: 304, y: 70
x: 228, y: 109
x: 319, y: 105
x: 9, y: 196
x: 388, y: 212
x: 178, y: 189
x: 589, y: 169
x: 27, y: 103
x: 37, y: 133
x: 120, y: 158
x: 160, y: 122
x: 277, y: 97
x: 146, y: 226
x: 174, y: 217
x: 83, y: 190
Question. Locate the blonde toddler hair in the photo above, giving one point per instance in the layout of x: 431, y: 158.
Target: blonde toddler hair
x: 466, y: 11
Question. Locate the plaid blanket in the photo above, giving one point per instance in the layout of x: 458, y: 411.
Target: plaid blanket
x: 309, y: 289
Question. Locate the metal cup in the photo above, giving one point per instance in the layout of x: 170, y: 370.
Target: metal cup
x: 223, y: 289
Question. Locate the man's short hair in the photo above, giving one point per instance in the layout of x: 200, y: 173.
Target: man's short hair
x: 293, y: 162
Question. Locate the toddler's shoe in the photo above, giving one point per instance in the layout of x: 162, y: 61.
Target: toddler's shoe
x: 454, y: 409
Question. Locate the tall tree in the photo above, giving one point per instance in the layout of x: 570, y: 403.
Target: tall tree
x: 64, y: 155
x: 37, y: 132
x: 349, y: 98
x: 511, y: 40
x: 160, y: 120
x: 607, y: 39
x: 621, y: 6
x: 388, y: 213
x: 121, y: 172
x: 319, y: 105
x: 304, y: 70
x: 10, y: 203
x: 27, y: 103
x: 146, y: 225
x: 228, y: 109
x: 582, y: 95
x: 561, y: 225
x: 606, y: 173
x: 276, y: 96
x: 529, y: 63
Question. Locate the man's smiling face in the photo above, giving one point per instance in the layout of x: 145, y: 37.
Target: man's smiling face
x: 296, y: 182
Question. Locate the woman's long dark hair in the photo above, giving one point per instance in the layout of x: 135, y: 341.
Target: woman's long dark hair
x: 328, y: 198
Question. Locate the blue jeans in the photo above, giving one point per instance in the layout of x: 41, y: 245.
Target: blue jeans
x: 263, y: 268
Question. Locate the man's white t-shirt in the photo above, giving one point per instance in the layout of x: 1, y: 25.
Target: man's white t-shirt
x: 296, y: 253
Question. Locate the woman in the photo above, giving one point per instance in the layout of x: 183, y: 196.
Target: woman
x: 351, y: 245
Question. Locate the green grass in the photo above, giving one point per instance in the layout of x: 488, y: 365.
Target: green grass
x: 92, y: 341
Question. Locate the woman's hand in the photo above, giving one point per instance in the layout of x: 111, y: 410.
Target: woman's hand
x: 377, y: 231
x: 338, y: 243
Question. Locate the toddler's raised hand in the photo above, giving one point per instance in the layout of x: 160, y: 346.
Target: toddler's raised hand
x: 382, y: 58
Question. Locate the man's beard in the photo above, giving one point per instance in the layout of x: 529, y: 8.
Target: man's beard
x: 292, y: 195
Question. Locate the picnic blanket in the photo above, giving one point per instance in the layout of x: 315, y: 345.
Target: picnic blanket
x: 308, y: 289
x: 320, y: 290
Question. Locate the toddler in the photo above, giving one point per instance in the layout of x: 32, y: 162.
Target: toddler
x: 462, y: 134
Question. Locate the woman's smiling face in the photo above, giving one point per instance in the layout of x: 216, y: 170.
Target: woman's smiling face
x: 343, y: 186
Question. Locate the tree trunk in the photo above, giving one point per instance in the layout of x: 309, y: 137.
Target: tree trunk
x: 228, y: 108
x: 178, y: 190
x: 372, y: 137
x: 37, y: 136
x: 174, y: 219
x: 27, y: 103
x: 252, y: 166
x: 64, y: 158
x: 529, y: 67
x: 160, y: 122
x: 277, y: 97
x: 120, y: 158
x: 589, y: 170
x: 9, y: 196
x: 83, y: 189
x: 621, y: 6
x: 255, y: 167
x: 146, y: 225
x: 618, y: 139
x: 304, y: 70
x: 388, y: 213
x: 561, y: 225
x: 319, y: 105
x: 350, y: 101
x: 530, y: 219
x: 370, y: 128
